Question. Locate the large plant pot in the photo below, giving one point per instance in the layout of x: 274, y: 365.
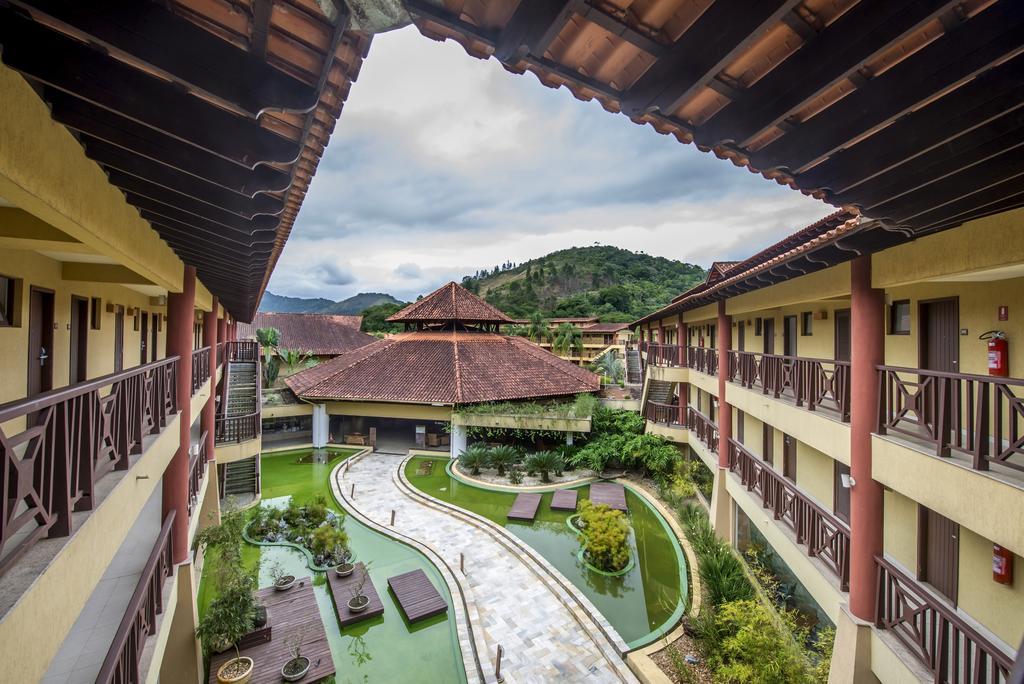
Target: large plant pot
x: 285, y: 583
x: 358, y: 604
x: 225, y: 676
x: 298, y: 671
x: 344, y: 570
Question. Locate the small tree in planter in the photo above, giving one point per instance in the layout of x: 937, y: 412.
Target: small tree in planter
x: 346, y: 566
x: 359, y: 600
x: 230, y: 617
x: 296, y: 668
x: 282, y: 581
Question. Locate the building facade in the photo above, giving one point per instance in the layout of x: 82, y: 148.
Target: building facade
x: 854, y: 429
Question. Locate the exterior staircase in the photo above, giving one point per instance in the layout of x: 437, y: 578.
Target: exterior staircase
x: 240, y: 477
x: 242, y: 389
x: 634, y: 367
x: 659, y: 392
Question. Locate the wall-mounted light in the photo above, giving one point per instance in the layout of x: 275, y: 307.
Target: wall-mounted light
x: 847, y: 480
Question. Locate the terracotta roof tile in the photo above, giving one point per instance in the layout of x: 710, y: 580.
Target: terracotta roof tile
x: 444, y: 367
x: 319, y: 334
x: 605, y: 327
x: 450, y: 302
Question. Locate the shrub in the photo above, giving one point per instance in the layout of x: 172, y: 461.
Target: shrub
x: 823, y: 644
x: 753, y: 647
x: 607, y: 421
x: 698, y: 529
x: 607, y: 536
x: 722, y: 575
x: 515, y: 474
x: 598, y: 453
x: 474, y: 458
x: 501, y: 457
x: 325, y: 540
x: 652, y: 453
x: 544, y: 462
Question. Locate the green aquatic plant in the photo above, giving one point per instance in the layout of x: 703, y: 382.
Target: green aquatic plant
x: 607, y: 536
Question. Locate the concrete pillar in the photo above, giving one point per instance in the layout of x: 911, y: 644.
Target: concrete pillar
x: 458, y: 439
x: 867, y: 321
x: 183, y: 656
x: 321, y: 426
x: 180, y: 317
x: 568, y: 439
x: 721, y: 502
x: 851, y: 653
x: 222, y: 329
x: 209, y: 415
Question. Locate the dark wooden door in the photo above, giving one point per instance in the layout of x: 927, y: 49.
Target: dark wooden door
x: 741, y: 336
x: 768, y: 334
x: 40, y: 341
x: 789, y: 457
x: 841, y: 494
x: 119, y: 339
x: 843, y: 333
x: 939, y: 552
x: 768, y: 443
x: 740, y: 423
x: 940, y: 329
x: 143, y: 337
x: 153, y: 342
x: 78, y: 365
x: 789, y: 333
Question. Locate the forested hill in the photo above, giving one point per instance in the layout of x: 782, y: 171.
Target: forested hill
x: 616, y: 284
x: 355, y: 304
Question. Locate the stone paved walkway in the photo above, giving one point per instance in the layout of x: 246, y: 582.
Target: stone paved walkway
x: 541, y: 637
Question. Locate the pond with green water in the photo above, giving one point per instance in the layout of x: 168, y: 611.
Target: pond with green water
x: 381, y: 649
x: 641, y: 605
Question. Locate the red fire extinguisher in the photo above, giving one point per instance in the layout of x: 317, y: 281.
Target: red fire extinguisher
x: 998, y: 353
x: 1002, y: 565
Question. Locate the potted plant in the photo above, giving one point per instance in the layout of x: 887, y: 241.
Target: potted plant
x: 359, y: 601
x: 298, y: 666
x: 282, y: 582
x: 230, y: 617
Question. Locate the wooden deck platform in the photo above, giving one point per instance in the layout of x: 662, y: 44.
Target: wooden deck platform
x: 339, y: 587
x: 416, y: 595
x: 289, y: 611
x: 564, y: 500
x: 524, y: 507
x: 610, y: 494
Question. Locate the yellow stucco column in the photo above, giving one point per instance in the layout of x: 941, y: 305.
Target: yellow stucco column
x: 183, y: 658
x: 851, y: 654
x: 722, y: 508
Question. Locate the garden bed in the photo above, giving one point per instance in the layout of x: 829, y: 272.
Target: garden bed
x: 311, y: 528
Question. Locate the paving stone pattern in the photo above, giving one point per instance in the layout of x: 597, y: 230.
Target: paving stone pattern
x: 541, y: 638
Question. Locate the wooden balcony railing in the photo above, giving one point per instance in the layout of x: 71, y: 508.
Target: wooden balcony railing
x: 234, y: 429
x: 703, y: 428
x: 667, y: 414
x: 703, y: 359
x: 666, y: 355
x: 243, y: 350
x: 953, y: 651
x: 810, y: 383
x: 122, y: 664
x: 200, y: 368
x: 55, y: 446
x: 196, y: 471
x: 979, y: 416
x: 827, y: 537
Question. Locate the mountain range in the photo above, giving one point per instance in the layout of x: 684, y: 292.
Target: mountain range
x: 355, y: 304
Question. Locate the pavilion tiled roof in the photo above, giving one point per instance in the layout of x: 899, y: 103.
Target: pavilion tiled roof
x: 446, y: 367
x: 318, y: 334
x: 605, y: 327
x: 450, y: 302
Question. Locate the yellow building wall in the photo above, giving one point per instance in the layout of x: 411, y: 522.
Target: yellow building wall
x: 389, y: 410
x: 43, y: 272
x: 979, y: 304
x: 899, y: 536
x: 822, y: 285
x: 815, y: 474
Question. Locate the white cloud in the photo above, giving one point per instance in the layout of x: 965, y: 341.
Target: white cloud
x: 442, y: 164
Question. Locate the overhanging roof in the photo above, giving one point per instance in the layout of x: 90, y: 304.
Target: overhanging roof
x: 210, y: 116
x: 910, y: 110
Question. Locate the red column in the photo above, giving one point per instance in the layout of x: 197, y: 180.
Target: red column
x: 684, y: 389
x: 222, y: 330
x: 867, y: 319
x: 724, y: 327
x: 180, y: 317
x: 208, y: 417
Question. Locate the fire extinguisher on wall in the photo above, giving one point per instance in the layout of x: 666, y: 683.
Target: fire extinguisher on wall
x: 1002, y: 565
x: 998, y: 353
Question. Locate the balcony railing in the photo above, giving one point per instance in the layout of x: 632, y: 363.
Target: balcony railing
x: 666, y: 355
x: 57, y: 445
x: 243, y: 350
x: 200, y: 368
x: 936, y: 635
x: 233, y: 429
x: 703, y: 428
x: 667, y: 414
x: 979, y: 416
x: 122, y: 664
x: 827, y: 538
x: 810, y: 383
x: 703, y: 359
x: 221, y: 347
x: 196, y: 471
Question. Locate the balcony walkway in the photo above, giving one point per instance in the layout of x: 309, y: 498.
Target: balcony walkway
x: 541, y: 637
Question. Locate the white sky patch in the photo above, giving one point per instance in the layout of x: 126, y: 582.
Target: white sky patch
x: 442, y: 164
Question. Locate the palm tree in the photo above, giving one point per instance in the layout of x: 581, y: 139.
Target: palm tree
x: 502, y: 457
x: 568, y: 338
x: 537, y: 329
x: 544, y: 462
x: 475, y: 458
x: 610, y: 366
x: 516, y: 330
x: 293, y: 358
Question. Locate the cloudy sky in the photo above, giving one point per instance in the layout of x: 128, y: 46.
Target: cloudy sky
x: 442, y: 164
